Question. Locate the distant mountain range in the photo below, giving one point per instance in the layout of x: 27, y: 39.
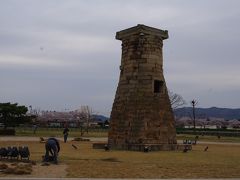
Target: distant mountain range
x: 225, y: 113
x: 100, y: 117
x: 216, y: 112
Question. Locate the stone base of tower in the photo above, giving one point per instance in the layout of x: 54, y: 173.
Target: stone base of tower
x: 145, y: 147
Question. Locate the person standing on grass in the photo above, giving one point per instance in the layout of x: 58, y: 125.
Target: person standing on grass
x: 52, y: 146
x: 34, y: 128
x: 65, y: 134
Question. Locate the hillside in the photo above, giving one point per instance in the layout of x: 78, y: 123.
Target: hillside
x: 216, y: 112
x: 100, y: 117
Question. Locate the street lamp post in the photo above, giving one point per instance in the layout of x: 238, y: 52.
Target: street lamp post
x: 194, y: 102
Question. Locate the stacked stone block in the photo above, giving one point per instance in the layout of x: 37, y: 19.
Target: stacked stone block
x: 141, y: 112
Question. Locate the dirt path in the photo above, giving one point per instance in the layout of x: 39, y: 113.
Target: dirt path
x: 51, y: 171
x: 29, y: 138
x: 20, y: 138
x: 101, y: 139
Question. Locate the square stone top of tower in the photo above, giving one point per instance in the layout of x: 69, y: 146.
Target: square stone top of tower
x: 141, y: 30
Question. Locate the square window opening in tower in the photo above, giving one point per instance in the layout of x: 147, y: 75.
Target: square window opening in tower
x: 158, y: 85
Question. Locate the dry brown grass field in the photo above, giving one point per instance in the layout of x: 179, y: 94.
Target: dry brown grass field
x: 220, y: 161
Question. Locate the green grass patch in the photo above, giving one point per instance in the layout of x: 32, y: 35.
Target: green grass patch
x: 75, y: 132
x: 58, y: 132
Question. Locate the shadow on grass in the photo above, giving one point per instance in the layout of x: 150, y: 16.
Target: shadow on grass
x: 110, y: 159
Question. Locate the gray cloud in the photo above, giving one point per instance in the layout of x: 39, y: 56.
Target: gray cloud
x: 62, y: 54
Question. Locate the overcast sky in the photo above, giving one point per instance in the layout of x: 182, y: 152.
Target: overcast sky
x: 61, y: 54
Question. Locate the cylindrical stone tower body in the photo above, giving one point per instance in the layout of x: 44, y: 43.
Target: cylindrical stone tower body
x: 141, y: 112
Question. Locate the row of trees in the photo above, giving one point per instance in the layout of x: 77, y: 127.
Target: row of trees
x: 12, y: 115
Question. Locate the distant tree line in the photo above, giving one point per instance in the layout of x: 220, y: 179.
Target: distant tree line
x: 12, y: 115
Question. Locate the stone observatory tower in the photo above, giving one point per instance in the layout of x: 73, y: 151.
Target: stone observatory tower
x: 141, y: 114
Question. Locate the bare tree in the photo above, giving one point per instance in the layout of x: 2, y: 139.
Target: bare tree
x: 176, y: 100
x: 87, y: 113
x: 36, y: 112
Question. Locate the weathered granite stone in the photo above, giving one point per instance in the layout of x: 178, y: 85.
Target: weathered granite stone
x: 141, y: 112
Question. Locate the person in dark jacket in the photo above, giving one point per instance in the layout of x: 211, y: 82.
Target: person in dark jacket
x: 52, y: 146
x: 65, y: 134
